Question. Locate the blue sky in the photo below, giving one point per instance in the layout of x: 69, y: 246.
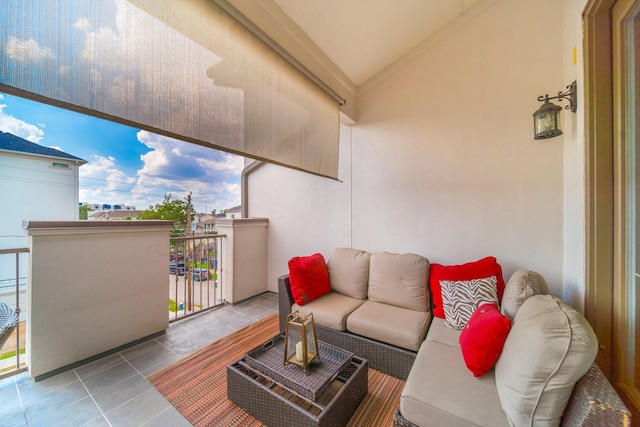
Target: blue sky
x: 126, y: 165
x: 55, y: 46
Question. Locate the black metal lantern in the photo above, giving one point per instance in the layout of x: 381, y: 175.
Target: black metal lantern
x: 300, y: 342
x: 547, y: 119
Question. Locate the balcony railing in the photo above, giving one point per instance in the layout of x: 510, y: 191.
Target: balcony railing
x: 95, y: 286
x: 195, y: 275
x: 13, y: 290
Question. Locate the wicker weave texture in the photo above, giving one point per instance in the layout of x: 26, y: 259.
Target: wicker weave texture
x: 276, y: 405
x: 8, y: 322
x: 594, y: 402
x: 389, y: 359
x: 400, y: 421
x: 268, y: 359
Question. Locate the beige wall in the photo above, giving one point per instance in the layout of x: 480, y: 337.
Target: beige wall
x: 93, y: 286
x: 445, y: 155
x: 442, y: 161
x: 244, y: 257
x: 574, y: 187
x: 307, y: 214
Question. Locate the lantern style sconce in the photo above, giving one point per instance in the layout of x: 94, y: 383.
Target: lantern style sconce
x: 300, y: 343
x: 546, y: 120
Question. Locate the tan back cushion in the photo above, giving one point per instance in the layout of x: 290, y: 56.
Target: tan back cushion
x: 400, y: 280
x: 349, y: 272
x: 522, y: 285
x: 550, y: 346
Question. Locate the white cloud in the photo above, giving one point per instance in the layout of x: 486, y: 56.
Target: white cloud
x: 27, y: 50
x: 18, y: 127
x: 82, y: 24
x: 171, y: 167
x: 210, y: 175
x: 102, y: 182
x: 229, y: 164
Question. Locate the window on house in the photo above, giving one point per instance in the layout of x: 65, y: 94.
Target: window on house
x: 59, y: 165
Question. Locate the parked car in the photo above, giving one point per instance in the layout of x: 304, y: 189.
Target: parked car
x: 177, y: 268
x: 179, y: 256
x: 200, y: 274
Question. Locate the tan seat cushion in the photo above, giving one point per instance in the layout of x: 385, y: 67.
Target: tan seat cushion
x: 440, y: 332
x: 522, y: 285
x: 390, y: 324
x: 400, y: 280
x: 440, y: 391
x: 549, y: 348
x: 349, y: 272
x: 330, y: 310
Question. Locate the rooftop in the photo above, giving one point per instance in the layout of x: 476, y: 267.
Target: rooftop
x: 10, y: 142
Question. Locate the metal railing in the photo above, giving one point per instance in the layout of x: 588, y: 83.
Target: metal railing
x: 13, y: 289
x: 195, y: 275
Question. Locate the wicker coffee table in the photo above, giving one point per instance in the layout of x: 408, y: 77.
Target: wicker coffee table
x: 283, y: 396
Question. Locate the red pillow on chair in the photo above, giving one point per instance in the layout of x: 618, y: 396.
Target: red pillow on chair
x: 482, y: 340
x: 308, y: 278
x: 485, y: 267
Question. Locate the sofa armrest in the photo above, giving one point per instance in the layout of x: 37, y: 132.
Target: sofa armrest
x: 285, y: 300
x: 595, y: 402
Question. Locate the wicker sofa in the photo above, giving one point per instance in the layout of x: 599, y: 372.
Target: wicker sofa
x: 439, y: 389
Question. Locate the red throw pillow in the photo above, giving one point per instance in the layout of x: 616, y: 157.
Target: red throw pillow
x: 483, y: 338
x: 483, y: 268
x: 308, y: 278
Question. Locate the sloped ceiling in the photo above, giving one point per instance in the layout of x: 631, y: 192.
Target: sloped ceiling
x: 352, y: 45
x: 362, y: 37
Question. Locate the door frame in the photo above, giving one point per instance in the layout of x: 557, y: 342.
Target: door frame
x: 606, y: 296
x: 598, y: 110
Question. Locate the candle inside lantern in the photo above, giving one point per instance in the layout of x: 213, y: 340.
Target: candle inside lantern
x: 299, y: 354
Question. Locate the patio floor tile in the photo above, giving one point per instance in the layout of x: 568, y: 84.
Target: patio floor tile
x: 113, y: 391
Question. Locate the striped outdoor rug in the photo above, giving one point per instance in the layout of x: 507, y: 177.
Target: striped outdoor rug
x: 197, y: 385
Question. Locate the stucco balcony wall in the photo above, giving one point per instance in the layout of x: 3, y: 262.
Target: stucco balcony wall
x: 93, y: 287
x: 244, y: 257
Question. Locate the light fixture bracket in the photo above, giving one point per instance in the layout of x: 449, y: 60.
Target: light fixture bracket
x: 570, y: 95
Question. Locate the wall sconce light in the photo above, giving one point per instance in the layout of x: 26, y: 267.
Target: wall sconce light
x: 546, y: 120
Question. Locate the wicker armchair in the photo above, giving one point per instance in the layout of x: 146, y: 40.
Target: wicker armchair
x: 8, y: 322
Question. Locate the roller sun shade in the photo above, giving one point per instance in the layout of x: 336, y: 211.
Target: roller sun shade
x: 185, y: 69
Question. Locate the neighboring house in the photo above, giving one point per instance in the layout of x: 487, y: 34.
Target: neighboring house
x: 113, y: 215
x: 36, y: 183
x: 206, y: 223
x: 203, y: 223
x: 208, y: 226
x: 107, y: 207
x: 235, y: 212
x: 202, y: 217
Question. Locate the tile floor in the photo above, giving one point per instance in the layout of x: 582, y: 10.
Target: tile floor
x: 114, y: 391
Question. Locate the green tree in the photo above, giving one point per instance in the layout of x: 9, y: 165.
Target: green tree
x: 170, y: 210
x: 84, y: 212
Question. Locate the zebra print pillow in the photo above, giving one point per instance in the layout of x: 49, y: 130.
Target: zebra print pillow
x: 461, y: 298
